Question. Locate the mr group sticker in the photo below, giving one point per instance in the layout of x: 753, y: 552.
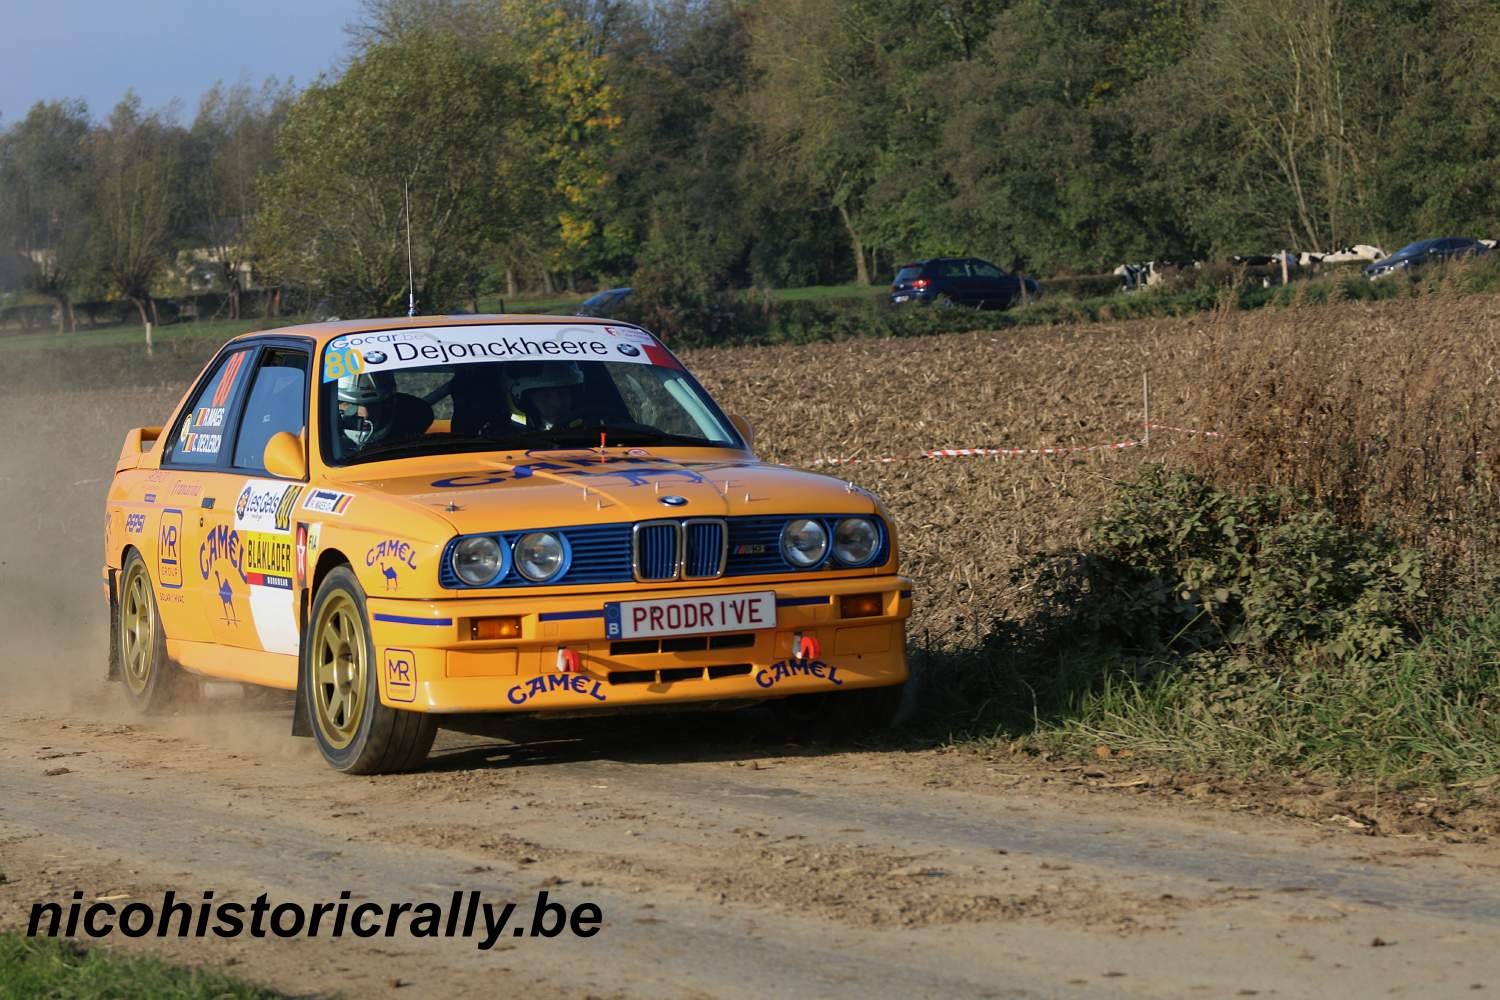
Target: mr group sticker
x: 169, y: 550
x: 401, y: 675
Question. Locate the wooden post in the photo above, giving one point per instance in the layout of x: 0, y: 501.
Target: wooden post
x: 1284, y: 277
x: 1146, y: 406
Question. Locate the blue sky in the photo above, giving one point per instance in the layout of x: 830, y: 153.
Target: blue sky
x: 164, y: 49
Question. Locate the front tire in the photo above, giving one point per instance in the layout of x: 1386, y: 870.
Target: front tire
x: 151, y: 681
x: 355, y: 732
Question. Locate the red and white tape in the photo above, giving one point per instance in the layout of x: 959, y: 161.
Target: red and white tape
x: 1012, y: 452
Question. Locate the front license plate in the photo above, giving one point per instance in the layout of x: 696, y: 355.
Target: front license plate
x: 690, y: 615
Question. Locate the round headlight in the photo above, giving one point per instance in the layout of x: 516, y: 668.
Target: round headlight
x: 478, y: 560
x: 804, y: 542
x: 855, y: 540
x: 539, y: 555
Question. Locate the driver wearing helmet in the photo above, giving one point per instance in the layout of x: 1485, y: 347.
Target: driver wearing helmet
x: 547, y: 393
x: 366, y: 407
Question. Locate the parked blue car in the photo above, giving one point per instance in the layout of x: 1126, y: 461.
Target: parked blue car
x: 1422, y: 252
x: 605, y: 304
x: 961, y: 281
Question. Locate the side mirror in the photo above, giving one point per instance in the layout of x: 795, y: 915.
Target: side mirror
x: 746, y: 431
x: 283, y: 456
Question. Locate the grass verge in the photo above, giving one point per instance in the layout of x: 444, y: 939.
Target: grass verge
x: 38, y: 967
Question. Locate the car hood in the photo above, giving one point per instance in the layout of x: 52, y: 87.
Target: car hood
x: 545, y: 490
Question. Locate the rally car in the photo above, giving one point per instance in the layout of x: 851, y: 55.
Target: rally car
x: 402, y: 519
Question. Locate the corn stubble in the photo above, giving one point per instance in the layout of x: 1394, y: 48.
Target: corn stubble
x: 1382, y: 411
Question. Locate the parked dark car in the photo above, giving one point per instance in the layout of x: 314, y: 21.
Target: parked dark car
x: 605, y: 304
x: 960, y: 281
x: 1424, y: 251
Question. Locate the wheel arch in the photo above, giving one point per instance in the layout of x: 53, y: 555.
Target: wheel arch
x: 112, y: 664
x: 328, y: 560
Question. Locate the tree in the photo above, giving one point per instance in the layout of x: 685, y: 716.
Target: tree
x: 839, y: 98
x: 1438, y: 172
x: 1286, y: 100
x: 232, y: 144
x: 554, y: 178
x: 418, y: 114
x: 137, y: 177
x: 1037, y: 137
x: 46, y: 208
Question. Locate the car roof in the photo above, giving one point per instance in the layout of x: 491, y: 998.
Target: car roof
x: 321, y: 333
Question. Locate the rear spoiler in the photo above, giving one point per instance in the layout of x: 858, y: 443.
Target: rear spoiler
x: 137, y: 441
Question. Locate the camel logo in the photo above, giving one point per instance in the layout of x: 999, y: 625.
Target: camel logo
x: 389, y: 552
x: 226, y: 598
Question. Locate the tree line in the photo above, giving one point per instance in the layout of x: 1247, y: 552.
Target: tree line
x: 698, y: 145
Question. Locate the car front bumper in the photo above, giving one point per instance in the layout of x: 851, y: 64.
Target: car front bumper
x: 427, y: 661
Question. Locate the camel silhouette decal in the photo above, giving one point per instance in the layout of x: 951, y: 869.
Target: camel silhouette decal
x: 227, y: 596
x: 390, y: 576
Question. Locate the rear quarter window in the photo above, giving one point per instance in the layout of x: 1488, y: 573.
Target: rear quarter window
x: 203, y: 431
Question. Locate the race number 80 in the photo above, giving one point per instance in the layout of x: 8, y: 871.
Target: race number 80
x: 337, y: 364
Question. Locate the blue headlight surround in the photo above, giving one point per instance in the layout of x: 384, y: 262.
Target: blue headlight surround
x: 876, y: 552
x: 506, y: 562
x: 599, y: 554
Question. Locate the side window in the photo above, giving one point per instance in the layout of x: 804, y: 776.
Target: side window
x: 982, y: 270
x: 277, y: 402
x: 200, y: 436
x: 954, y: 269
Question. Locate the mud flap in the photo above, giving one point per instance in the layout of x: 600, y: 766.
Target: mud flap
x: 301, y: 720
x: 112, y: 666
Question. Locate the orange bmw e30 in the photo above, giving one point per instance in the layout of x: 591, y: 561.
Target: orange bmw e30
x: 401, y: 519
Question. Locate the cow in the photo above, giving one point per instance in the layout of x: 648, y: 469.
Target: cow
x: 1151, y: 273
x: 1347, y: 255
x: 1132, y: 276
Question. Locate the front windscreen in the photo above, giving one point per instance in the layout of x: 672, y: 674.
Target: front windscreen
x: 447, y: 390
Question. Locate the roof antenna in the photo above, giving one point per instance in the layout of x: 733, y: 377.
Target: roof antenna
x: 411, y: 278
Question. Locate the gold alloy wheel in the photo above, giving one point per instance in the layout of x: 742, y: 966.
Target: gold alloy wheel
x: 137, y: 629
x: 340, y: 680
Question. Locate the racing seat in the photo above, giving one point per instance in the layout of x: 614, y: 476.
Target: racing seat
x: 411, y: 416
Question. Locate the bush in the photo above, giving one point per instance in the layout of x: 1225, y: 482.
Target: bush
x: 1183, y: 566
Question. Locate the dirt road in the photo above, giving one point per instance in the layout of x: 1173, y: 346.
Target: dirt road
x: 728, y: 864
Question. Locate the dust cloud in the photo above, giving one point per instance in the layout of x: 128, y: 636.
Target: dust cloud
x: 65, y: 412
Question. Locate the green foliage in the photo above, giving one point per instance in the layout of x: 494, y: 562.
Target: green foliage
x: 45, y: 968
x: 1262, y: 576
x: 780, y: 143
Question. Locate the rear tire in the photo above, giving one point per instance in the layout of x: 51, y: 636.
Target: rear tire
x: 151, y: 681
x: 839, y: 715
x: 355, y: 732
